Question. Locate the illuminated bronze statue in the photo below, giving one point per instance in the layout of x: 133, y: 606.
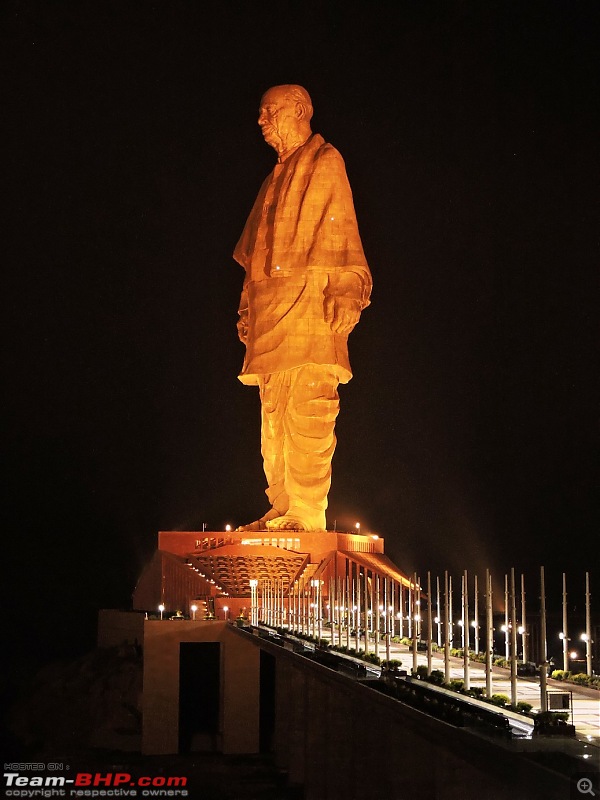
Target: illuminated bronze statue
x: 306, y: 284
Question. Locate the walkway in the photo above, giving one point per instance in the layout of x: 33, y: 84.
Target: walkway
x: 585, y: 702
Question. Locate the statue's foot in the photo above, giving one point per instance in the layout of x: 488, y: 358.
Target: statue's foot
x: 287, y: 522
x: 260, y: 524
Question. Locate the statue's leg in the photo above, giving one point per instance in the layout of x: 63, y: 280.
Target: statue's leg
x: 309, y: 424
x: 273, y: 397
x: 274, y: 391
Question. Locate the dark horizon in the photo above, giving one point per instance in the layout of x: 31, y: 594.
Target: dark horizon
x: 468, y: 435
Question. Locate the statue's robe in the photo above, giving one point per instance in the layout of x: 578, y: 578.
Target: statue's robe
x: 300, y: 243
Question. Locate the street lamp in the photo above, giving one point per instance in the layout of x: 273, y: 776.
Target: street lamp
x: 316, y: 607
x: 225, y: 609
x: 194, y: 609
x: 475, y: 626
x: 253, y: 601
x: 585, y: 637
x: 161, y: 608
x: 521, y: 632
x: 438, y: 622
x: 506, y: 631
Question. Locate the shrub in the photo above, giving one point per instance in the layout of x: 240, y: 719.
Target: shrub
x: 500, y: 699
x: 393, y: 663
x: 340, y: 648
x: 476, y: 691
x: 522, y: 707
x: 421, y: 672
x: 501, y: 662
x: 581, y: 679
x: 551, y: 718
x: 560, y: 675
x: 437, y: 676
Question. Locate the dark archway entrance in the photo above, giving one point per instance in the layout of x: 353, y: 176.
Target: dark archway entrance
x: 267, y: 701
x: 199, y: 693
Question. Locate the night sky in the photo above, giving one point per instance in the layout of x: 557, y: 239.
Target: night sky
x: 468, y: 436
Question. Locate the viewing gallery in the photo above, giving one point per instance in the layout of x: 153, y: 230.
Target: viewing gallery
x: 300, y: 580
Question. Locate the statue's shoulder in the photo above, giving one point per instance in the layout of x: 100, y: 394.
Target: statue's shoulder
x: 324, y: 152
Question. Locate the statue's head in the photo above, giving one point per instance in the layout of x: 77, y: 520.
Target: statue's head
x: 284, y: 117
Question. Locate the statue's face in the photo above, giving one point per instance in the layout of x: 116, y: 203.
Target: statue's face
x: 277, y: 119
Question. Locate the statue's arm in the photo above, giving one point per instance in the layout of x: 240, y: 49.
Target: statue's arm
x: 242, y: 324
x: 344, y: 300
x: 348, y: 287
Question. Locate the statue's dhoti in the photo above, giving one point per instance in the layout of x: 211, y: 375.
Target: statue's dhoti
x: 299, y: 409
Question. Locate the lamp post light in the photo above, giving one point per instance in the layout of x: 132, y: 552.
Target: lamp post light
x: 447, y: 616
x: 226, y: 610
x: 451, y: 617
x: 438, y: 619
x: 194, y: 608
x: 513, y: 640
x: 161, y: 608
x: 415, y: 615
x: 316, y: 606
x: 543, y: 644
x: 505, y: 628
x: 429, y: 624
x: 588, y: 627
x: 521, y: 632
x: 253, y: 601
x: 465, y: 631
x: 565, y: 645
x: 358, y: 601
x: 475, y: 622
x: 523, y: 619
x: 588, y: 652
x: 489, y: 634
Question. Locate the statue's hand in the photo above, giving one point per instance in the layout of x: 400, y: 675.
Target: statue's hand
x: 242, y: 327
x: 342, y: 313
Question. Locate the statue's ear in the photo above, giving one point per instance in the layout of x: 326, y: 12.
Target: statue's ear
x: 300, y: 111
